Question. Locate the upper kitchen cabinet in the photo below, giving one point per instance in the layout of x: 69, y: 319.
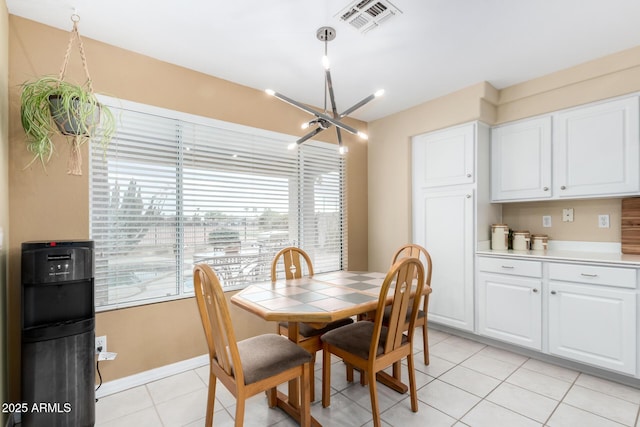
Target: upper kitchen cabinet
x: 597, y: 150
x: 444, y: 157
x: 583, y: 152
x: 521, y: 160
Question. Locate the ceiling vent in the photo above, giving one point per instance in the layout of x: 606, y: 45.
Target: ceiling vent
x: 365, y: 15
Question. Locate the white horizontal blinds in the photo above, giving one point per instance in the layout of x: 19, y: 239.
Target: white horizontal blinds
x: 134, y: 211
x: 322, y: 212
x: 174, y: 190
x: 237, y: 188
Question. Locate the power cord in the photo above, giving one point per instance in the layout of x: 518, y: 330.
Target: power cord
x: 98, y: 369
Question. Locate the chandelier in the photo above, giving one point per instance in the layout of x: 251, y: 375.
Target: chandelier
x: 325, y: 120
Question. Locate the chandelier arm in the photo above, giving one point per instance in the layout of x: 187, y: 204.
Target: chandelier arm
x: 311, y: 111
x: 339, y: 134
x: 356, y: 106
x: 331, y: 94
x: 309, y: 135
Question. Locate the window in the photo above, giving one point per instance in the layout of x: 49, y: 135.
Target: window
x: 174, y: 189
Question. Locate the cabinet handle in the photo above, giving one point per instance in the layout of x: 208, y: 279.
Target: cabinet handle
x: 588, y: 275
x: 564, y: 187
x: 545, y: 189
x: 468, y: 175
x: 468, y: 196
x: 535, y: 290
x: 507, y: 266
x: 553, y: 292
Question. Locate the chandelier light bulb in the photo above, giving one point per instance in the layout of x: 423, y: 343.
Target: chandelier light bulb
x: 363, y: 135
x: 292, y: 146
x: 270, y: 92
x: 379, y: 93
x: 305, y: 125
x: 343, y: 149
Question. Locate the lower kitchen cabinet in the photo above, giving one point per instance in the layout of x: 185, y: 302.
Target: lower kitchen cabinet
x: 581, y: 312
x: 593, y: 324
x: 510, y: 309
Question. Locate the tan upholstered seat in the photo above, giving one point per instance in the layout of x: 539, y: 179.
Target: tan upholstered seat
x: 250, y: 366
x: 291, y: 258
x: 371, y: 347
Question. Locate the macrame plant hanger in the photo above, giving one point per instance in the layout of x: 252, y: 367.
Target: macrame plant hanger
x: 74, y: 163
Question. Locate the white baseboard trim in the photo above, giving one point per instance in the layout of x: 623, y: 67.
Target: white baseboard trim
x: 145, y: 377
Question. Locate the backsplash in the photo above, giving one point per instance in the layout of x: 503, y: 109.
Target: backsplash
x: 585, y: 227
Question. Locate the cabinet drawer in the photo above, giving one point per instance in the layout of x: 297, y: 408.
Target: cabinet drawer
x: 510, y: 266
x: 608, y: 276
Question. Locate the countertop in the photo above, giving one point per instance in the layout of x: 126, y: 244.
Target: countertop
x: 571, y: 251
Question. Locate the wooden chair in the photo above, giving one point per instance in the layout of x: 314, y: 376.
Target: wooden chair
x: 416, y: 251
x: 371, y: 346
x: 308, y: 336
x: 250, y: 366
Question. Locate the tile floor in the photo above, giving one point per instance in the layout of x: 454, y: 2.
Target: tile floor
x: 466, y: 384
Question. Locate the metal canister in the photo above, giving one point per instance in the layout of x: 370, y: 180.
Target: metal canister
x: 539, y: 242
x: 499, y: 237
x: 521, y: 240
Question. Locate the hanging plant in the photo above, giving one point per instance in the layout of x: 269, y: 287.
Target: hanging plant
x: 50, y: 105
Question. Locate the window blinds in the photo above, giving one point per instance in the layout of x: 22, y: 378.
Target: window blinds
x: 174, y: 189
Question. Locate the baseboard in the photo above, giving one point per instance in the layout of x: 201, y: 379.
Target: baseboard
x: 145, y: 377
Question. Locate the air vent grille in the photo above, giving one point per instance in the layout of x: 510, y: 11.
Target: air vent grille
x: 365, y: 15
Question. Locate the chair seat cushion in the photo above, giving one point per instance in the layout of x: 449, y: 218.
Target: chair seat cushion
x: 266, y: 355
x: 309, y: 331
x: 356, y: 338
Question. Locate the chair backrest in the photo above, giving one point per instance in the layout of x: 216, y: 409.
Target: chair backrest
x: 292, y: 258
x: 413, y: 250
x: 406, y: 276
x: 216, y: 321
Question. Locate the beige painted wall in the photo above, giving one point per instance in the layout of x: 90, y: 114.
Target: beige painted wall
x: 4, y: 195
x: 389, y: 149
x: 52, y: 205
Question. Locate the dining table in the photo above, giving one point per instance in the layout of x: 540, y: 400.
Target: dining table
x: 316, y: 301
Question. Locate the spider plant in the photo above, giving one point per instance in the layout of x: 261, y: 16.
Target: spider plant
x: 51, y: 106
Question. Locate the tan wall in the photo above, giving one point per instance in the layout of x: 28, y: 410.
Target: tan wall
x: 389, y: 149
x: 52, y: 205
x: 4, y: 194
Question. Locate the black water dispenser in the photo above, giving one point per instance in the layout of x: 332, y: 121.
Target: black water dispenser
x: 58, y: 334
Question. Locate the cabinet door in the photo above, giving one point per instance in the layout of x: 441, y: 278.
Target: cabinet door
x: 510, y: 309
x: 444, y: 157
x: 443, y: 223
x: 596, y: 150
x: 521, y: 160
x: 594, y: 325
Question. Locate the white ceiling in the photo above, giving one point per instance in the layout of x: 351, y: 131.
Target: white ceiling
x: 432, y: 48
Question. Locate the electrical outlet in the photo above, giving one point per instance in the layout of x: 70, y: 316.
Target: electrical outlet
x: 603, y: 221
x: 546, y: 221
x: 101, y: 342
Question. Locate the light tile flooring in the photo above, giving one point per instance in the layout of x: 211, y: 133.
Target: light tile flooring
x: 466, y: 384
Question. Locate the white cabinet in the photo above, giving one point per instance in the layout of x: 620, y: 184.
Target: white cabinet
x: 510, y: 301
x: 444, y: 157
x: 443, y: 223
x: 588, y: 151
x: 521, y: 160
x: 592, y: 317
x: 450, y: 210
x: 597, y: 150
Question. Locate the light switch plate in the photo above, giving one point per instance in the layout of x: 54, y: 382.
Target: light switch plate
x: 546, y: 221
x: 567, y: 215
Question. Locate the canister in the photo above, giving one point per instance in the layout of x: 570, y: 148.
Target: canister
x: 539, y: 242
x: 499, y: 237
x: 521, y: 240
